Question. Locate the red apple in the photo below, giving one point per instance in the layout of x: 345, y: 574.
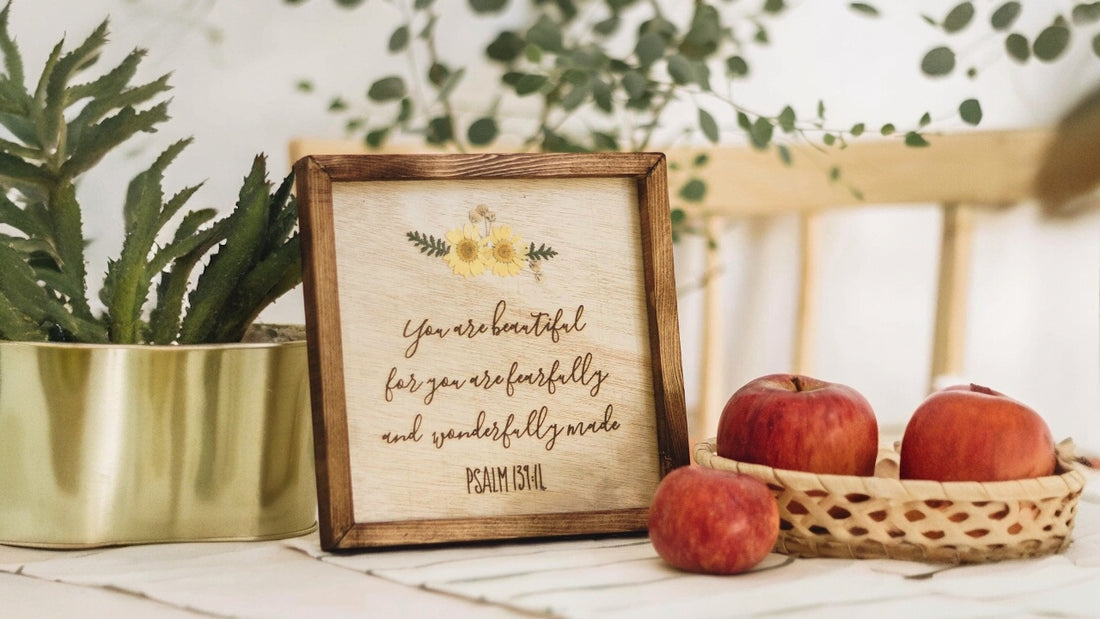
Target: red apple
x: 973, y: 433
x: 712, y: 521
x: 800, y: 423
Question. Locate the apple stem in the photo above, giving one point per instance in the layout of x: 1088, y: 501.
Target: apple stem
x: 981, y: 389
x: 797, y: 380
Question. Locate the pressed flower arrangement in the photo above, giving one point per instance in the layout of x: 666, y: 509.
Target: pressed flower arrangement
x: 470, y: 251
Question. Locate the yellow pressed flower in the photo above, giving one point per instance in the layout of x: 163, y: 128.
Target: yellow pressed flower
x: 465, y: 257
x: 504, y: 253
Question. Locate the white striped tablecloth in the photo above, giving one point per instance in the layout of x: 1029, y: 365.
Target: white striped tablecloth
x: 608, y: 577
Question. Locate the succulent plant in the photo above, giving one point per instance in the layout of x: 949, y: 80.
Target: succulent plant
x: 205, y: 283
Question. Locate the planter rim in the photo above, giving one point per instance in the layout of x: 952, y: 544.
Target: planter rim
x: 289, y: 335
x: 154, y: 347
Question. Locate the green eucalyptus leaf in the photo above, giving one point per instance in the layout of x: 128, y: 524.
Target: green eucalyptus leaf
x: 449, y: 84
x: 686, y: 71
x: 399, y: 40
x: 761, y: 133
x: 546, y: 34
x: 925, y: 120
x: 887, y: 129
x: 736, y: 66
x: 420, y: 5
x: 915, y: 140
x: 959, y: 17
x: 694, y: 190
x: 864, y: 9
x: 678, y: 216
x: 774, y: 6
x: 787, y: 119
x: 438, y: 74
x: 487, y: 6
x: 618, y: 66
x: 533, y: 53
x: 971, y: 111
x: 604, y: 141
x: 1096, y: 45
x: 607, y: 27
x: 576, y: 77
x: 375, y: 138
x: 744, y: 122
x: 589, y: 57
x: 938, y: 61
x: 679, y: 68
x: 482, y: 131
x: 529, y: 83
x: 1051, y: 43
x: 704, y: 35
x: 708, y: 125
x: 576, y: 96
x: 784, y: 153
x: 661, y: 27
x: 601, y: 95
x: 387, y: 89
x: 404, y: 111
x: 428, y: 31
x: 1004, y: 16
x: 649, y: 49
x: 1018, y: 47
x: 1085, y: 13
x: 857, y: 129
x: 635, y: 84
x: 440, y: 130
x: 554, y: 142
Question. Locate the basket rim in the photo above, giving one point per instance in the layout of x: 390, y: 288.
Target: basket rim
x: 1069, y: 481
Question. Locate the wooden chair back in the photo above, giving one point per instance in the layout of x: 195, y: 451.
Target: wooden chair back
x: 960, y: 172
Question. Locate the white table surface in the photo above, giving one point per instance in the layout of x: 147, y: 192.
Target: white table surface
x: 619, y: 576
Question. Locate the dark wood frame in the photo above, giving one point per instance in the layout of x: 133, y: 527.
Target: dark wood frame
x: 314, y: 178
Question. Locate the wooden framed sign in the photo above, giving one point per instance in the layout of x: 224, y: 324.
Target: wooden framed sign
x: 493, y: 341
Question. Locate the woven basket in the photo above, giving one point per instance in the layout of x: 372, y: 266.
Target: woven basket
x: 884, y: 517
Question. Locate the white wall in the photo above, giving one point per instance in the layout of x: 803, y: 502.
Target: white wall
x: 1035, y: 306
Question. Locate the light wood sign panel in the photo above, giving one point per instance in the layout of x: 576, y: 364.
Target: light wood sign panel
x: 493, y: 341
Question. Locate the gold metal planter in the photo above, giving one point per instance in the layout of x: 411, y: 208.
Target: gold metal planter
x: 104, y: 445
